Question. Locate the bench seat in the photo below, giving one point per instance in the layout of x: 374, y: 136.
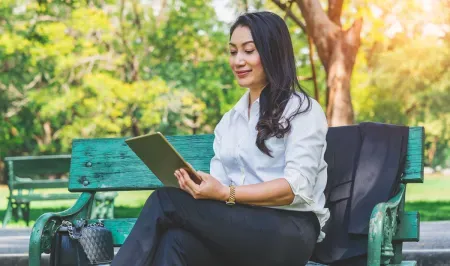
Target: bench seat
x: 403, y: 263
x: 121, y: 227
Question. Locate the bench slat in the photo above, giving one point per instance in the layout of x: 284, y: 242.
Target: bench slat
x: 41, y: 197
x: 409, y: 227
x: 403, y: 263
x: 120, y: 228
x: 25, y: 166
x: 408, y: 263
x: 408, y: 230
x: 414, y: 157
x: 36, y: 184
x: 109, y: 164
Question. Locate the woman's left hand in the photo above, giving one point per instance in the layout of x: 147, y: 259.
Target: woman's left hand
x: 209, y: 188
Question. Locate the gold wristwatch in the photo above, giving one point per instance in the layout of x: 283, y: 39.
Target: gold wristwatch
x: 231, y: 200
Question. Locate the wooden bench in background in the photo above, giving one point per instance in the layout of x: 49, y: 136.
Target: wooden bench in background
x: 109, y: 165
x: 26, y: 175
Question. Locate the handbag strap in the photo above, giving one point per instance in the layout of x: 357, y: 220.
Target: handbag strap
x: 77, y: 236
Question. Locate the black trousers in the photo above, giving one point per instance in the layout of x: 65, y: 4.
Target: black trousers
x: 176, y: 229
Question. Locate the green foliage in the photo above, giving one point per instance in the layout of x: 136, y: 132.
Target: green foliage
x: 402, y: 75
x: 78, y: 69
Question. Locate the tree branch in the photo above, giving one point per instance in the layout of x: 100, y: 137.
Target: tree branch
x: 161, y: 13
x: 44, y: 18
x: 290, y: 14
x: 335, y: 10
x: 321, y: 29
x: 245, y: 4
x: 130, y: 54
x: 90, y: 60
x: 313, y: 69
x: 122, y: 27
x: 303, y: 78
x: 288, y: 9
x: 137, y: 19
x: 16, y: 107
x: 36, y: 80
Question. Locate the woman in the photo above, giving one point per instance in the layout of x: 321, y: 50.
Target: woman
x: 269, y: 160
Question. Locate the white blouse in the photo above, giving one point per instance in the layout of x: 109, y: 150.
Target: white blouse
x: 298, y: 156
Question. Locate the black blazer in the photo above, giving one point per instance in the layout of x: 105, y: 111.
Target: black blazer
x: 365, y: 164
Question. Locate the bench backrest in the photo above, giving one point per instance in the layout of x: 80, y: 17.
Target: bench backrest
x: 414, y: 157
x: 23, y: 170
x: 109, y: 164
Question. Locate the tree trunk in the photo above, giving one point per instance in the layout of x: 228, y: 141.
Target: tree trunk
x: 432, y: 151
x: 339, y: 71
x: 337, y: 51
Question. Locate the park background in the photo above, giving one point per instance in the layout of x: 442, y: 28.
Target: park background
x: 111, y: 68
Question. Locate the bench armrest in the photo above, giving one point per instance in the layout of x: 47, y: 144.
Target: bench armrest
x: 47, y: 224
x: 22, y: 179
x: 383, y: 226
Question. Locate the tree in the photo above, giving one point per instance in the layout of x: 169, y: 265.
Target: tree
x: 402, y: 76
x: 337, y: 49
x: 109, y: 68
x: 197, y: 61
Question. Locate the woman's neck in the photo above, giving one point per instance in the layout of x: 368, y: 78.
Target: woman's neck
x: 254, y: 94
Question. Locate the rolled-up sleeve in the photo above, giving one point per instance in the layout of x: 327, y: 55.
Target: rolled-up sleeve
x: 305, y: 144
x: 217, y: 169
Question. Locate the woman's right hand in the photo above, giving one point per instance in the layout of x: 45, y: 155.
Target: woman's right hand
x: 209, y: 188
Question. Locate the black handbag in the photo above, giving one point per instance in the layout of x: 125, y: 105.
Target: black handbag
x: 80, y: 244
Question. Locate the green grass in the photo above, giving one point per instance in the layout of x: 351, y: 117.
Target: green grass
x: 434, y: 188
x: 430, y: 210
x: 431, y: 199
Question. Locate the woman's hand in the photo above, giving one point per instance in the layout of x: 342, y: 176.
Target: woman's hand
x: 209, y: 188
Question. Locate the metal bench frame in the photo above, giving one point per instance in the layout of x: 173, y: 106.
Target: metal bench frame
x: 112, y: 160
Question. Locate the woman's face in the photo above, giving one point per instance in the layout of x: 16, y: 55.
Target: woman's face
x: 245, y: 61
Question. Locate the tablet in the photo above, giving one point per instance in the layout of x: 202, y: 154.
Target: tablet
x: 160, y: 157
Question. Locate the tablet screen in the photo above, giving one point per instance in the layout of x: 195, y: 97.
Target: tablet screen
x: 161, y: 158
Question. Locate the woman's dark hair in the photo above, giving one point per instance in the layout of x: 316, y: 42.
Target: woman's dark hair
x: 273, y: 42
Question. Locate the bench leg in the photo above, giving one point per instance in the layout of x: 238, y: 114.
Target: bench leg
x: 8, y: 214
x: 34, y: 258
x: 26, y: 213
x: 108, y: 209
x: 15, y: 210
x: 19, y: 211
x: 110, y: 213
x: 94, y: 210
x: 34, y: 248
x: 103, y: 209
x: 23, y: 212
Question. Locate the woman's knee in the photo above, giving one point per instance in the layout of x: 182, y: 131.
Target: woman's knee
x: 173, y: 238
x: 180, y: 247
x: 174, y: 245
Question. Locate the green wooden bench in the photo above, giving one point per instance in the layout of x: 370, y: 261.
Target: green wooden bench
x: 27, y: 174
x: 109, y: 165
